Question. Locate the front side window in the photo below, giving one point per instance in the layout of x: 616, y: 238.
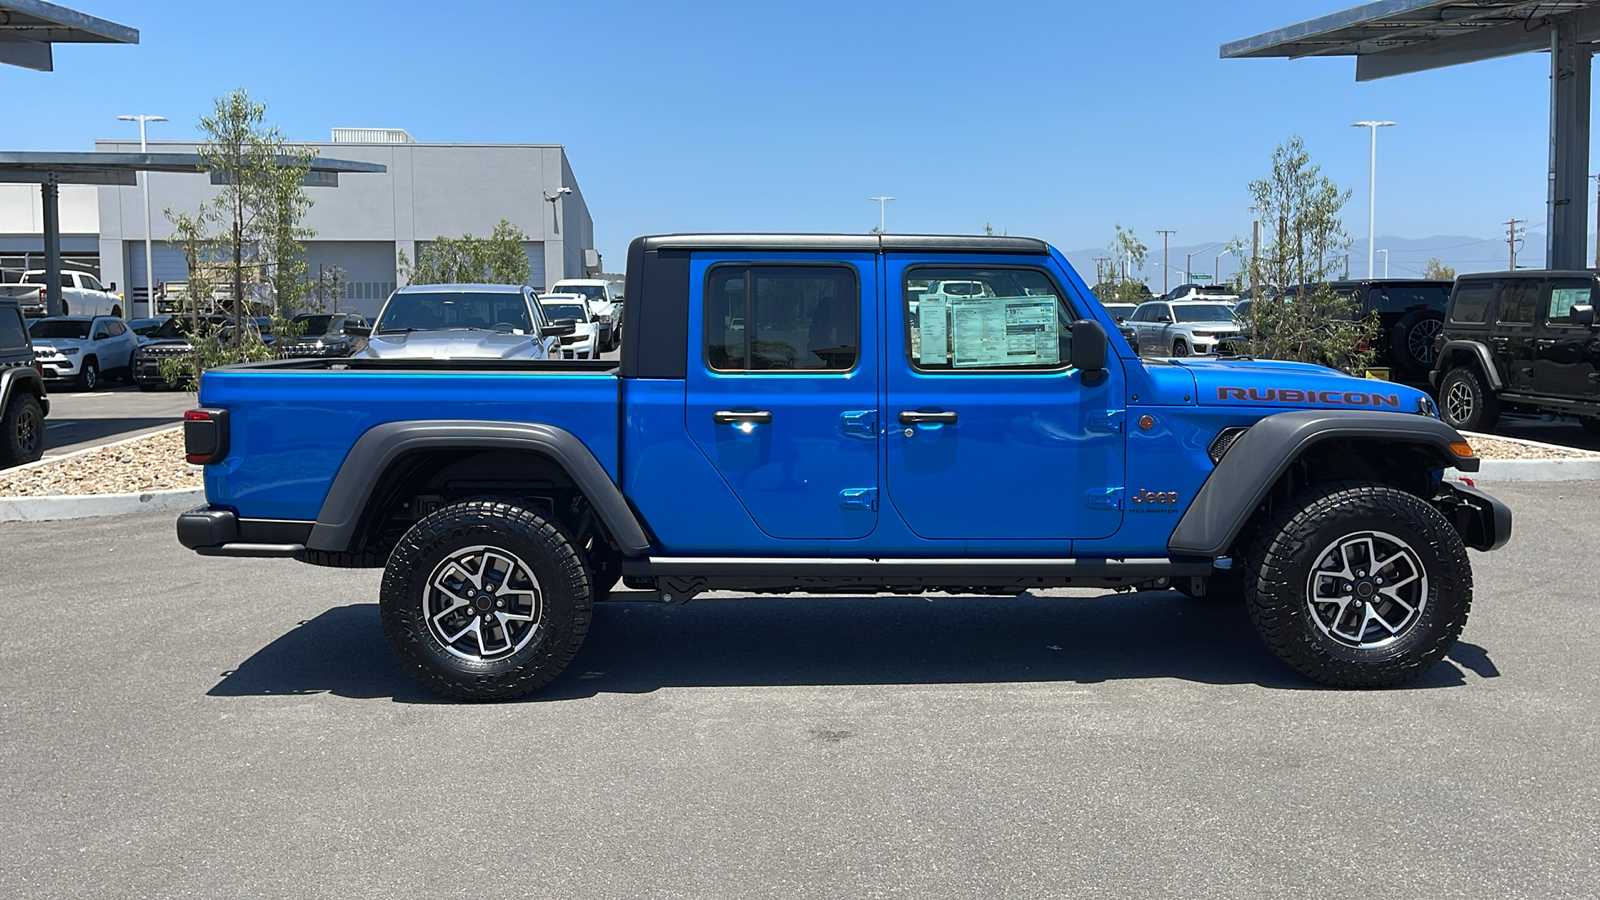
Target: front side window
x: 998, y: 318
x: 1517, y: 300
x: 1564, y: 295
x: 1471, y: 303
x: 778, y: 317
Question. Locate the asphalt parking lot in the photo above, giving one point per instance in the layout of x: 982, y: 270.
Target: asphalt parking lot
x: 79, y: 420
x: 179, y: 726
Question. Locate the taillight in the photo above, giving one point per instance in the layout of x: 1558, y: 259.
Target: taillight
x: 205, y: 436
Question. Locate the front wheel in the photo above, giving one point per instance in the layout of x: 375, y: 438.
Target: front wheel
x: 484, y: 600
x: 1466, y: 402
x: 89, y: 375
x: 1180, y: 347
x: 1359, y: 585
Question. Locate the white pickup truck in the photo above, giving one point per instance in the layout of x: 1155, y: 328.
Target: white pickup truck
x: 81, y: 295
x: 601, y: 302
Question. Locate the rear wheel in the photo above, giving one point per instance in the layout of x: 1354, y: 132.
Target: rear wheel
x: 1359, y: 585
x: 21, y: 430
x: 1411, y: 340
x: 484, y: 600
x: 1466, y: 402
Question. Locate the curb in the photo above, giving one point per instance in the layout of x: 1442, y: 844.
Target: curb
x: 1583, y: 467
x: 85, y: 506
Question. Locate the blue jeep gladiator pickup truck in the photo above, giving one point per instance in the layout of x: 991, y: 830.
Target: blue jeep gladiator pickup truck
x: 816, y: 413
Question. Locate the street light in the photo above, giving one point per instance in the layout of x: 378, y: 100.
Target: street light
x: 1188, y: 259
x: 1385, y: 262
x: 881, y: 201
x: 1372, y: 185
x: 553, y: 200
x: 149, y: 270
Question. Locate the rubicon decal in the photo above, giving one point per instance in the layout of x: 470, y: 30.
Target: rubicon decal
x: 1294, y: 395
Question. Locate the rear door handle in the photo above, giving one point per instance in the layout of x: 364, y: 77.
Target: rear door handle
x: 914, y: 417
x: 732, y: 416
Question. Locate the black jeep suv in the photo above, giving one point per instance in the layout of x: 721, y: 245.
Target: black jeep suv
x: 1410, y: 313
x: 23, y: 404
x: 1523, y: 341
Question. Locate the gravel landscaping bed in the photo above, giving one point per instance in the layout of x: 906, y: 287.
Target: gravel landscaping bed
x: 1512, y: 448
x: 150, y: 463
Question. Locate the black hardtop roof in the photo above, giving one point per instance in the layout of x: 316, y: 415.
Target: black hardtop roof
x: 1531, y: 273
x: 1339, y: 281
x: 861, y: 243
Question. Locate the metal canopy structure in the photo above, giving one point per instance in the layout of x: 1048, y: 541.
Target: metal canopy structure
x: 51, y: 170
x: 28, y: 28
x: 1397, y: 37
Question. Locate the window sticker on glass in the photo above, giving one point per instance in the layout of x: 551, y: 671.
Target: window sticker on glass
x: 933, y: 325
x: 1003, y: 331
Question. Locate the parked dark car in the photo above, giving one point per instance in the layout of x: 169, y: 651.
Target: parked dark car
x: 23, y: 400
x: 1524, y: 341
x: 171, y: 339
x: 143, y: 328
x: 1410, y: 312
x: 326, y: 334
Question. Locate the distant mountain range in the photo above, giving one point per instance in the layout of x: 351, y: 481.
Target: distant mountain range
x: 1407, y: 257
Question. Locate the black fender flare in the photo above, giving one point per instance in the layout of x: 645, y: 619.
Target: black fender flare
x: 26, y: 379
x: 1478, y: 352
x: 378, y: 449
x: 1255, y: 462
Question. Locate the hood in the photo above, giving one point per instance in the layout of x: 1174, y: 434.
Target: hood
x: 1247, y: 382
x: 50, y: 345
x: 453, y: 345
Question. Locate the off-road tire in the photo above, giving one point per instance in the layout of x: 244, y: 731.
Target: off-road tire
x: 88, y: 374
x: 562, y: 585
x: 1466, y: 402
x: 21, y: 430
x: 1180, y: 347
x: 1411, y: 341
x: 1285, y: 552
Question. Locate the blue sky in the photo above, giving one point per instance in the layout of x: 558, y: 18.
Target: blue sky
x: 1055, y: 120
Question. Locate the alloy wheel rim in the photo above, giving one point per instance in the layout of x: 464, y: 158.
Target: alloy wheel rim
x: 27, y: 432
x: 483, y: 603
x: 1458, y: 401
x: 1420, y: 339
x: 91, y: 375
x: 1369, y: 589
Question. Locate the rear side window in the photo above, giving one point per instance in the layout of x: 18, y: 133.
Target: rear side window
x: 1564, y: 295
x: 1018, y: 320
x: 762, y: 318
x: 1517, y: 301
x: 1471, y: 304
x: 13, y: 337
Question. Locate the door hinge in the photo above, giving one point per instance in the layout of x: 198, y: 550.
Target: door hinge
x: 859, y: 423
x: 1110, y: 420
x: 1105, y: 498
x: 859, y: 498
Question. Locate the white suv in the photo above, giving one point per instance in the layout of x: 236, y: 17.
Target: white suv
x: 598, y: 290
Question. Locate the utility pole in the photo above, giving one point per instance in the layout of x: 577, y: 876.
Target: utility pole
x: 1597, y: 220
x: 1164, y: 269
x: 1511, y: 240
x: 1099, y: 270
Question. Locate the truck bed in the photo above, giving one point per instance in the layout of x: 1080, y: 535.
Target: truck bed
x: 293, y: 421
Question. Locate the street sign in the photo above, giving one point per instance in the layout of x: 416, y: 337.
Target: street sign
x: 1199, y: 276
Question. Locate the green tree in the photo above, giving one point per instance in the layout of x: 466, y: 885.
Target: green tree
x: 496, y: 259
x: 1437, y: 269
x: 1305, y: 319
x: 1127, y: 254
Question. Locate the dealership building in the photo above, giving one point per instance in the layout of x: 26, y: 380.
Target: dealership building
x: 366, y: 226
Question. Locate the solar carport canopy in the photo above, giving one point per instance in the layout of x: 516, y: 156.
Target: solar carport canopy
x: 1394, y: 37
x: 28, y: 28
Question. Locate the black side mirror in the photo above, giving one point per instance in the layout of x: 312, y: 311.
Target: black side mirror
x: 1583, y: 314
x: 1088, y: 349
x: 559, y: 329
x: 1165, y: 320
x: 358, y: 330
x: 112, y: 287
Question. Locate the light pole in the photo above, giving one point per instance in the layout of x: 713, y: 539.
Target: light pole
x: 1188, y: 259
x: 149, y: 271
x: 1385, y: 262
x: 881, y: 201
x: 1372, y: 127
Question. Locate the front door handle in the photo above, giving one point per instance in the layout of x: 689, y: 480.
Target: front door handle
x: 734, y: 416
x: 915, y: 417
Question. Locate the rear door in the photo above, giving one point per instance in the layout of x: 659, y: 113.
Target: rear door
x: 1512, y: 337
x: 783, y: 387
x: 991, y: 435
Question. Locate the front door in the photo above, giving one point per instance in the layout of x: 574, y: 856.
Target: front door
x: 991, y: 435
x: 783, y: 388
x: 1567, y: 354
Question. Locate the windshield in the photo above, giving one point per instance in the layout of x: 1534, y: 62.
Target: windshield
x: 1121, y: 309
x: 555, y: 312
x: 592, y: 291
x: 182, y: 326
x: 455, y: 311
x: 59, y: 328
x: 1201, y: 312
x: 316, y: 325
